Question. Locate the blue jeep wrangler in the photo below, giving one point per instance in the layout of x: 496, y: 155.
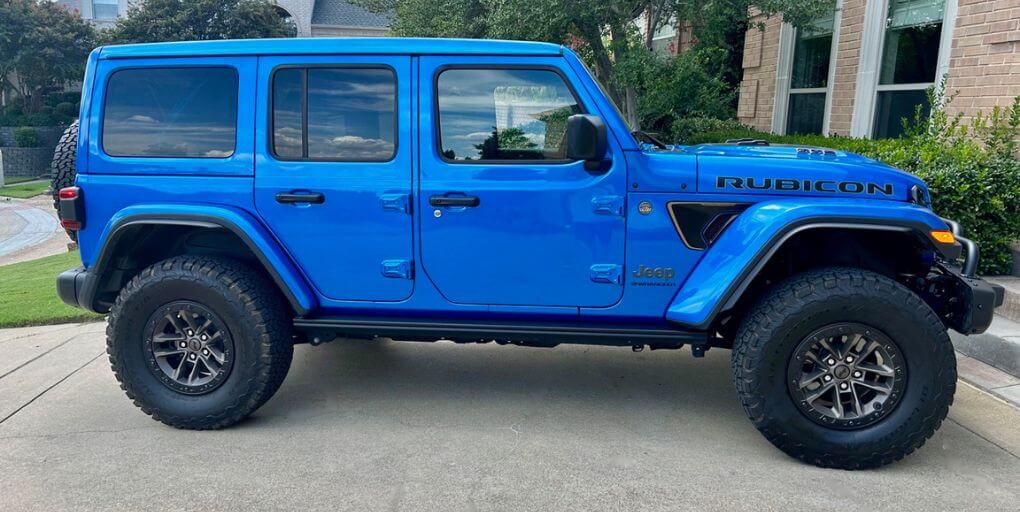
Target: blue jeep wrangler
x: 234, y: 198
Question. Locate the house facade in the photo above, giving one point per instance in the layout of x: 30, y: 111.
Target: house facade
x: 860, y: 70
x: 311, y: 18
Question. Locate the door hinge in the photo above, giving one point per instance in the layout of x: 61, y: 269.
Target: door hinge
x: 398, y: 269
x: 396, y: 202
x: 607, y: 205
x: 606, y: 273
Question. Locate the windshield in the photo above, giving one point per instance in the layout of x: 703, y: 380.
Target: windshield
x: 605, y: 93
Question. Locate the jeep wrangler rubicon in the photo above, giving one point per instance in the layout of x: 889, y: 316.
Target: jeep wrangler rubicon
x: 234, y: 198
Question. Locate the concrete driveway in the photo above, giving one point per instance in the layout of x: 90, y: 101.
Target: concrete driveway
x: 29, y: 229
x: 414, y: 426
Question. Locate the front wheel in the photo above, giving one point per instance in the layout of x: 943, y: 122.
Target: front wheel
x: 844, y: 368
x: 199, y: 342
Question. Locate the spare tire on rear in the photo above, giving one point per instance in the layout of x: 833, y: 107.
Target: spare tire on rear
x: 62, y: 169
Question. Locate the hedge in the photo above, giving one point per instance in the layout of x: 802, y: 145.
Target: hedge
x: 971, y: 169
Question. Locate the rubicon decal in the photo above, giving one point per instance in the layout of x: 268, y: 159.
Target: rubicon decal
x: 793, y: 185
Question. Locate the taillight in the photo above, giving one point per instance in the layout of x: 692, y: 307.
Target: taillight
x: 71, y: 208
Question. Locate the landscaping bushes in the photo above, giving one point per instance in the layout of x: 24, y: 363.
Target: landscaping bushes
x: 26, y: 138
x: 971, y: 168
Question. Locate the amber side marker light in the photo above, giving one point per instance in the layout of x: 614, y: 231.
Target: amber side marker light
x: 943, y: 237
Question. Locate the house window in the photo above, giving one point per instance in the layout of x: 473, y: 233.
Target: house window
x: 104, y: 9
x: 809, y: 76
x: 909, y: 62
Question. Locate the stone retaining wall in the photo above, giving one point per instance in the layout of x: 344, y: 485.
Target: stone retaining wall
x: 48, y: 135
x: 25, y: 162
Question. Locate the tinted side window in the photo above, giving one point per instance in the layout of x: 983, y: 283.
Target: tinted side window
x: 336, y: 114
x: 503, y: 114
x: 171, y: 112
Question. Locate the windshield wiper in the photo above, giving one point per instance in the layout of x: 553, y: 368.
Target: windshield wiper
x: 651, y: 139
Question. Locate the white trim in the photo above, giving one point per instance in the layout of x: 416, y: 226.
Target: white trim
x: 946, y: 42
x: 784, y: 70
x: 870, y: 58
x: 866, y: 94
x: 784, y: 74
x: 903, y: 87
x: 809, y: 90
x: 837, y: 19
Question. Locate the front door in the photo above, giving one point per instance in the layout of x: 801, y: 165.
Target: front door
x: 333, y: 171
x: 506, y: 219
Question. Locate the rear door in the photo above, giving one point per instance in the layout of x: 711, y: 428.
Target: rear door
x: 506, y: 218
x: 333, y: 170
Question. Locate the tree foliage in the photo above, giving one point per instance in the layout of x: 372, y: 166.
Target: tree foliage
x: 186, y: 20
x: 41, y: 45
x: 605, y: 34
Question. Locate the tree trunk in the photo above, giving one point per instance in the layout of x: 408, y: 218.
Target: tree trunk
x: 629, y: 104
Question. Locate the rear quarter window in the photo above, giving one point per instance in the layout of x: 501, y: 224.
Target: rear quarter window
x: 182, y: 112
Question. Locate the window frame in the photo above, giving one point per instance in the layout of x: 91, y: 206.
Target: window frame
x: 869, y: 67
x: 436, y: 114
x: 106, y: 101
x: 271, y: 122
x: 784, y: 75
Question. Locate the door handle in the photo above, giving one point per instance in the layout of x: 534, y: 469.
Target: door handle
x: 308, y: 197
x: 468, y: 201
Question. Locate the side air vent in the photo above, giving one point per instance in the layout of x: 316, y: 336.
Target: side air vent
x: 700, y: 224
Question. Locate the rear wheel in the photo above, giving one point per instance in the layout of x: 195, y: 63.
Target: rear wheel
x: 844, y: 368
x: 199, y: 342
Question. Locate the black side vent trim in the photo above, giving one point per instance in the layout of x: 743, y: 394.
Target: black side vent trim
x: 700, y: 224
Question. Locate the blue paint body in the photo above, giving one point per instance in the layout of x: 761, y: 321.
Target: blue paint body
x: 549, y: 241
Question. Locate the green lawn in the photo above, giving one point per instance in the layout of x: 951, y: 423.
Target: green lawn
x: 28, y: 294
x: 25, y: 190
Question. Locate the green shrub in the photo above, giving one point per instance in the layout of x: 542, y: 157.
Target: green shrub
x: 54, y: 99
x: 971, y: 169
x: 40, y: 119
x: 66, y: 109
x: 26, y: 138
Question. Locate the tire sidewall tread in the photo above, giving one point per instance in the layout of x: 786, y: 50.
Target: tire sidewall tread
x: 254, y: 314
x: 795, y: 308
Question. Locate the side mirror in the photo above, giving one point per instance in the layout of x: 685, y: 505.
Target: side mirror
x: 586, y: 139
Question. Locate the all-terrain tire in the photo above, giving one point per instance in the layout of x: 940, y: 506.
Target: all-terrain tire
x: 62, y: 168
x: 255, y: 316
x: 801, y: 305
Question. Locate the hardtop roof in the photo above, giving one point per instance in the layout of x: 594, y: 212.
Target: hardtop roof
x: 330, y: 46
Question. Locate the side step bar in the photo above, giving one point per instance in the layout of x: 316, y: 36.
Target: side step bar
x: 547, y: 334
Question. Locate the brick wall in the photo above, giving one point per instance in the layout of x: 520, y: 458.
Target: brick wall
x: 758, y: 86
x: 848, y: 55
x: 984, y: 64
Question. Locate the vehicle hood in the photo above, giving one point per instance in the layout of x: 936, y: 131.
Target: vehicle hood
x: 797, y: 171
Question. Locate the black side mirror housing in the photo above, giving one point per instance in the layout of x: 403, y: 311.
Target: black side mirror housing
x: 586, y: 139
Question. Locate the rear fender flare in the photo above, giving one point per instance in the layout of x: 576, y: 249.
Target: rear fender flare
x: 276, y: 262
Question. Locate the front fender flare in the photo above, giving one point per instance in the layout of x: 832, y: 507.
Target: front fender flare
x: 731, y: 264
x: 255, y: 236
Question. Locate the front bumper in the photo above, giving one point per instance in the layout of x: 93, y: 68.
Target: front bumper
x: 965, y: 302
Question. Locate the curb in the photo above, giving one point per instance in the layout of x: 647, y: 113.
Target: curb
x: 999, y: 346
x: 991, y: 361
x: 1011, y: 306
x: 988, y: 379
